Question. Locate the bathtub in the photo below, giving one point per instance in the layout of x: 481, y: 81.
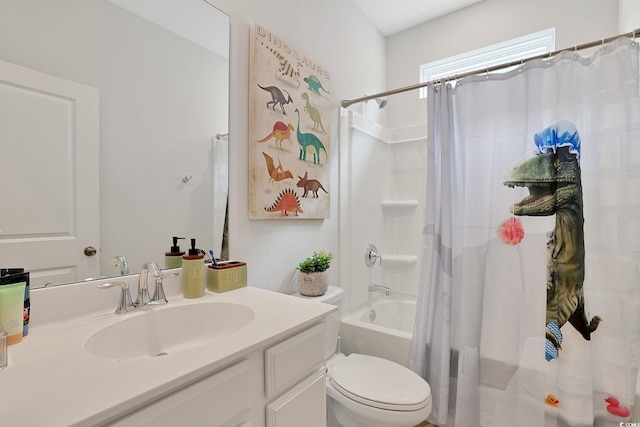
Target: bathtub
x: 381, y: 329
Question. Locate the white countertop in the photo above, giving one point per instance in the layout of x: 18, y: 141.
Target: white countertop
x: 52, y: 381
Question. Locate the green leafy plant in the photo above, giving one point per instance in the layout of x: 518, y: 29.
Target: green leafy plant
x: 320, y: 261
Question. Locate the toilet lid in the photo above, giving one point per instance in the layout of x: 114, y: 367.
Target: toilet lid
x: 379, y: 383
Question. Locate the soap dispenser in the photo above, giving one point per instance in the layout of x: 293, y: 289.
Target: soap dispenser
x: 193, y: 273
x: 173, y: 258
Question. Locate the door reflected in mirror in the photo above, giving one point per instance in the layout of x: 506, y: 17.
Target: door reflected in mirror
x: 114, y: 104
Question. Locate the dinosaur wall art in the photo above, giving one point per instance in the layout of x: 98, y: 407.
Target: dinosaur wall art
x: 553, y: 178
x: 280, y: 132
x: 283, y: 79
x: 287, y: 71
x: 287, y: 201
x: 277, y: 97
x: 307, y: 140
x: 314, y: 84
x: 276, y: 173
x: 314, y: 113
x: 309, y: 185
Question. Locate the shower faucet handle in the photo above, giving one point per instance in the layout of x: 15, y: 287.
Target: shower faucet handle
x: 371, y: 254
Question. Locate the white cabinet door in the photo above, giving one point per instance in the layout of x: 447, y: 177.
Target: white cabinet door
x: 221, y: 400
x: 291, y: 360
x: 49, y: 176
x: 302, y: 405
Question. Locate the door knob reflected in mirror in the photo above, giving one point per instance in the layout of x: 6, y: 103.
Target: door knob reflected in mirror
x: 90, y: 251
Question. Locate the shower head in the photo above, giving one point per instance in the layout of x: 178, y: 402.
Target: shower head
x: 382, y: 102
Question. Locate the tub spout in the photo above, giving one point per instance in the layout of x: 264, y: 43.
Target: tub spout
x: 379, y: 288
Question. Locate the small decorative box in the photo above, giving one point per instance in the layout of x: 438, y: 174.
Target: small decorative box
x: 227, y: 275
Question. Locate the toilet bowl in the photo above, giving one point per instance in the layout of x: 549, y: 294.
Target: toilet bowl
x: 374, y: 392
x: 368, y: 391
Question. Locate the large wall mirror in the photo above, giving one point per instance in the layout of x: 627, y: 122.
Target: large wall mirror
x: 144, y: 82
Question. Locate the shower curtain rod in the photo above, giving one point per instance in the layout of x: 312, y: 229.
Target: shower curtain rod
x: 347, y: 102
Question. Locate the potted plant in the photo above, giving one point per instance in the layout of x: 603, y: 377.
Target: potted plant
x: 311, y: 279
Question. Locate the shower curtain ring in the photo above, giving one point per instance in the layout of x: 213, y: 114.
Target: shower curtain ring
x: 602, y: 47
x: 633, y: 40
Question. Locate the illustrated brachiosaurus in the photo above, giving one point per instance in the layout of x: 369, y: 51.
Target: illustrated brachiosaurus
x: 308, y: 139
x: 314, y: 113
x: 280, y: 133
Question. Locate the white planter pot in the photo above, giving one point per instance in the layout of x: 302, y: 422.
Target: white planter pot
x: 312, y: 284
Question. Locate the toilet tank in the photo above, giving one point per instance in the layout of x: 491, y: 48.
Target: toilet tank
x: 333, y: 296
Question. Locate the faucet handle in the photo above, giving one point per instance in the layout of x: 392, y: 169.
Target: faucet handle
x: 124, y: 303
x: 169, y: 274
x: 158, y: 293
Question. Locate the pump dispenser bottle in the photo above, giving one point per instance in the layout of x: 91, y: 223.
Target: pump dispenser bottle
x: 173, y: 258
x: 193, y: 273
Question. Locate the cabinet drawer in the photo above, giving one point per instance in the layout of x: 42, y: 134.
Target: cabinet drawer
x: 221, y: 400
x: 303, y: 405
x: 289, y: 361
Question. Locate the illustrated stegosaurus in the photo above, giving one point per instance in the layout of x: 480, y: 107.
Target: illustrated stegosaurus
x: 287, y: 201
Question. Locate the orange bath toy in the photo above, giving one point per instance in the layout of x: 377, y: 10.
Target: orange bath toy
x: 551, y: 400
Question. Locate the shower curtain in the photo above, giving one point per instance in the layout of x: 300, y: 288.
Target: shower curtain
x: 529, y: 295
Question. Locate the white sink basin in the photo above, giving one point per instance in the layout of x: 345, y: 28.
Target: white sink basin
x: 168, y: 329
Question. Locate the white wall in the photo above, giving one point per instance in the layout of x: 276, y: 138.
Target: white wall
x: 338, y: 36
x: 628, y: 16
x: 483, y: 24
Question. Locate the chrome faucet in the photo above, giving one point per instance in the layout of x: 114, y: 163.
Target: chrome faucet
x: 121, y: 262
x: 379, y: 288
x: 143, y: 298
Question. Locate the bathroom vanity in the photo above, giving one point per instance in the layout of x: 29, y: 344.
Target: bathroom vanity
x: 248, y: 357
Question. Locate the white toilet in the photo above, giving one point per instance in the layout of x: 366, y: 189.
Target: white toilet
x: 367, y: 391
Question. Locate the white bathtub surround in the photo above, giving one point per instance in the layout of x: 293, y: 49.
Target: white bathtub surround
x: 382, y: 198
x: 382, y: 329
x: 50, y: 372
